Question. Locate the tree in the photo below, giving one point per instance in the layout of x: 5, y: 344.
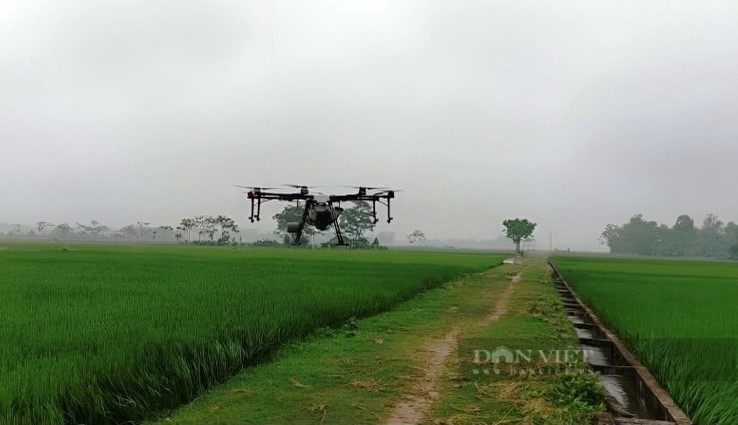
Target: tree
x: 713, y: 237
x: 612, y: 237
x: 130, y: 232
x: 416, y: 236
x: 357, y: 220
x: 731, y: 239
x: 62, y: 230
x: 167, y: 231
x: 226, y: 225
x: 518, y: 229
x: 208, y: 226
x: 734, y: 252
x: 143, y: 229
x: 638, y: 236
x: 684, y: 236
x: 16, y: 230
x: 186, y: 225
x: 683, y: 239
x: 41, y: 225
x: 96, y: 229
x: 290, y: 214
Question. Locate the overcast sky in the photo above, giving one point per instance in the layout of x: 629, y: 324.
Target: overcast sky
x: 573, y: 114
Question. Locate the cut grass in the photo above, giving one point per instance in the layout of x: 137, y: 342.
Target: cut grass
x: 108, y: 334
x: 666, y: 310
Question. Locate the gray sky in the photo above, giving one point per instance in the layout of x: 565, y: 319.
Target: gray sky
x: 574, y: 114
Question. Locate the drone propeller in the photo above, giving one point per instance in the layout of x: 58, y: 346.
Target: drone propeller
x: 256, y: 187
x: 297, y: 186
x: 365, y: 187
x: 383, y: 192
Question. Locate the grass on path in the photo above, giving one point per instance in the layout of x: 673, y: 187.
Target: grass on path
x: 358, y: 373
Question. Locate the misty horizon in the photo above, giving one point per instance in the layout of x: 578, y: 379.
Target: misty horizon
x: 573, y: 115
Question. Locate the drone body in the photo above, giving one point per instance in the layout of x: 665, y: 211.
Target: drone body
x: 320, y: 211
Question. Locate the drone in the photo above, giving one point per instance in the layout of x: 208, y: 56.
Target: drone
x: 321, y: 210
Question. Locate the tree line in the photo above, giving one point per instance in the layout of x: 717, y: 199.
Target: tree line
x: 714, y: 239
x: 356, y: 222
x: 208, y: 229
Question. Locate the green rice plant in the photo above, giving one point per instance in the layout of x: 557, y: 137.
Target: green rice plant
x: 110, y: 334
x: 680, y: 318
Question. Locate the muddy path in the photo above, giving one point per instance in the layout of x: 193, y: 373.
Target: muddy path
x: 422, y: 393
x: 399, y: 367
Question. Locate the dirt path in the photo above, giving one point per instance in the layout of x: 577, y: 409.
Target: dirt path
x: 422, y: 394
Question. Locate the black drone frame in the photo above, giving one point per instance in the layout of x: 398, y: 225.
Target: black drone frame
x: 259, y: 195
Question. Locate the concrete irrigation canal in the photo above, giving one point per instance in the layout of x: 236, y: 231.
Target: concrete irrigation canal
x: 632, y: 394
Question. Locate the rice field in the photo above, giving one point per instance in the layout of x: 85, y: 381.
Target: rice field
x: 679, y: 317
x: 110, y: 334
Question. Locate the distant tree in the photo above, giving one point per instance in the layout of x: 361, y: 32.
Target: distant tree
x: 167, y: 231
x: 142, y: 229
x: 82, y: 229
x: 684, y: 237
x: 642, y: 237
x: 209, y: 226
x: 227, y: 225
x: 517, y: 230
x: 130, y: 232
x: 357, y: 220
x: 712, y: 238
x: 93, y: 230
x: 41, y: 225
x: 97, y: 229
x: 416, y: 236
x: 63, y: 230
x: 612, y: 237
x: 16, y: 230
x: 187, y: 224
x: 638, y: 236
x: 731, y: 236
x: 734, y: 252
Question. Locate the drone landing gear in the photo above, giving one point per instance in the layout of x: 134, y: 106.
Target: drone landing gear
x: 297, y: 228
x: 339, y: 236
